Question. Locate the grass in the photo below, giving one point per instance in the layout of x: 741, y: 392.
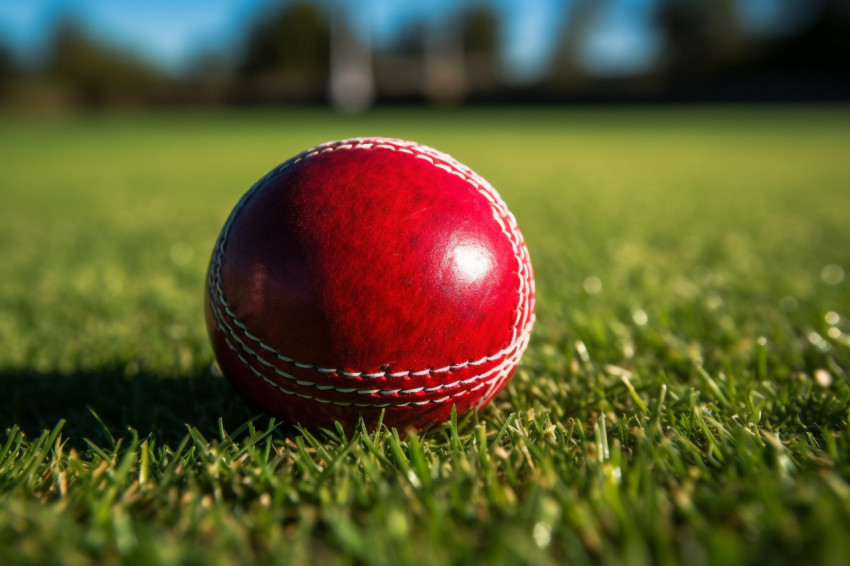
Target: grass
x: 684, y: 398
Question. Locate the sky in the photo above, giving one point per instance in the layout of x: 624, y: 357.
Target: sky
x: 172, y: 33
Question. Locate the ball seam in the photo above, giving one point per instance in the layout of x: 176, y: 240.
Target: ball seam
x: 501, y: 370
x: 501, y: 215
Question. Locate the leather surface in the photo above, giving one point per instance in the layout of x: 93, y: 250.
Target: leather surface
x: 369, y: 275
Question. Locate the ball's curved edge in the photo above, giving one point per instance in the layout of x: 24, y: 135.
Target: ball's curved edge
x: 325, y: 395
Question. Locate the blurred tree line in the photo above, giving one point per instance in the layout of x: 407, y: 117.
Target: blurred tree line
x: 305, y: 53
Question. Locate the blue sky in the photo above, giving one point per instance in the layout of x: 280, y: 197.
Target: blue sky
x: 172, y: 32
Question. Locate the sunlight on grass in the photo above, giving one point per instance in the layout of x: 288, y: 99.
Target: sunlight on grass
x: 684, y: 397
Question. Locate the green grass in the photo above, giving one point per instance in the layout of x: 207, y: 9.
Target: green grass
x: 684, y: 398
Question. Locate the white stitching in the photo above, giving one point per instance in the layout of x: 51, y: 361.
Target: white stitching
x: 520, y: 253
x: 501, y: 375
x: 525, y: 299
x: 508, y: 362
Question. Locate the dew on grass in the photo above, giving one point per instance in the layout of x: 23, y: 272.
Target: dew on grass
x: 542, y: 534
x: 684, y: 287
x: 832, y: 318
x: 581, y: 349
x: 414, y: 479
x: 628, y: 349
x: 617, y: 474
x: 832, y: 274
x: 397, y: 524
x: 818, y: 341
x: 713, y: 302
x: 823, y: 378
x: 592, y: 285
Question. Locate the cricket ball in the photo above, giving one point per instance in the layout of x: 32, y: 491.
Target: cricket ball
x: 365, y: 277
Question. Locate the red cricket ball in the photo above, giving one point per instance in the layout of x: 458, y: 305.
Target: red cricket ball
x: 369, y: 275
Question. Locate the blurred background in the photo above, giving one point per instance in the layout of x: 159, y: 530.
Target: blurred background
x: 353, y: 54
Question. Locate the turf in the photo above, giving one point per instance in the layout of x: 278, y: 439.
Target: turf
x: 684, y: 398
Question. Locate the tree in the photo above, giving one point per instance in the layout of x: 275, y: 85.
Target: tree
x: 480, y: 43
x: 566, y: 72
x: 288, y: 53
x: 8, y: 69
x: 707, y: 47
x: 703, y: 37
x: 96, y: 74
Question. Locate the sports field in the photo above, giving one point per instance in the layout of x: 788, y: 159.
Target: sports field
x: 684, y: 399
